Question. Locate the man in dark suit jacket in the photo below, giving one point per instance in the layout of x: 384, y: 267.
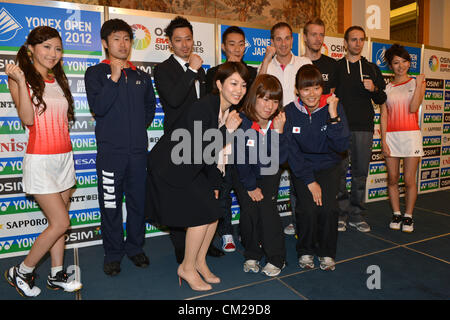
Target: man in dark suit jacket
x: 180, y: 81
x: 233, y: 45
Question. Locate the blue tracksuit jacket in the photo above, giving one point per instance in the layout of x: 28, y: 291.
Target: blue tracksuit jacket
x: 258, y: 153
x: 314, y: 144
x: 122, y: 110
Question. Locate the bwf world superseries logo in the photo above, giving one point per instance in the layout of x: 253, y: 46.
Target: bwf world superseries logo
x: 142, y: 37
x: 9, y: 26
x: 433, y: 63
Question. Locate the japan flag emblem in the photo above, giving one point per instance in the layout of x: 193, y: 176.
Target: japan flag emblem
x: 250, y: 143
x: 296, y: 130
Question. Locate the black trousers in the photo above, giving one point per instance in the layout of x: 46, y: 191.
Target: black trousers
x: 260, y: 222
x: 317, y: 225
x: 120, y: 175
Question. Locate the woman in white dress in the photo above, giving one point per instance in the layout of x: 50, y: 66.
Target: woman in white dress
x: 41, y: 93
x: 400, y: 134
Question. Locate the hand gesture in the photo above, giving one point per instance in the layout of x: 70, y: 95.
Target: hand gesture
x: 332, y: 106
x: 116, y: 70
x: 15, y: 73
x: 368, y: 85
x: 270, y: 52
x: 420, y: 80
x: 279, y: 121
x: 256, y: 195
x: 316, y: 192
x: 195, y: 61
x: 233, y: 121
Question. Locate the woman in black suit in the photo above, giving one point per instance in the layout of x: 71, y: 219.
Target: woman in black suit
x: 183, y: 185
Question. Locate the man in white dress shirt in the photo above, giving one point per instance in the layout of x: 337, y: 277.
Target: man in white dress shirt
x: 280, y: 62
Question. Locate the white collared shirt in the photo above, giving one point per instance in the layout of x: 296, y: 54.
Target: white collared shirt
x: 183, y: 65
x: 287, y: 76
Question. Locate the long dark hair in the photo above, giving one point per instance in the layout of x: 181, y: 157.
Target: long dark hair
x: 34, y: 78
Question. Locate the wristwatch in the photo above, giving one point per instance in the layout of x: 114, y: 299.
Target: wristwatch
x: 334, y: 120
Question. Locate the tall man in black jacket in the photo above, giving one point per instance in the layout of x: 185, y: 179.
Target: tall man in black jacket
x: 180, y: 81
x: 358, y: 83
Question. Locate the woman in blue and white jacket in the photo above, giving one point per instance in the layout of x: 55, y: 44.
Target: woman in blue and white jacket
x: 317, y: 132
x: 259, y: 150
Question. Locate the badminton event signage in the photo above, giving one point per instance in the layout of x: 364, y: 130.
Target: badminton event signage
x: 256, y: 42
x: 21, y: 218
x: 435, y: 122
x: 79, y: 30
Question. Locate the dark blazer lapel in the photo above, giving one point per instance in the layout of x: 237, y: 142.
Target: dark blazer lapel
x: 176, y: 67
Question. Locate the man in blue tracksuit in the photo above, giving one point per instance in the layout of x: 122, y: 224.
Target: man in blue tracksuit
x: 123, y: 102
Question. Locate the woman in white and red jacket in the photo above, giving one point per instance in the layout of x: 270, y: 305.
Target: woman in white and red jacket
x: 317, y: 132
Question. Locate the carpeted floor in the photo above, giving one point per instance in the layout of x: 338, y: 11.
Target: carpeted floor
x: 379, y: 265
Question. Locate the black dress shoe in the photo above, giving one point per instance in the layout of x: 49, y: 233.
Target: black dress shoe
x: 140, y: 260
x: 214, y: 252
x: 111, y: 268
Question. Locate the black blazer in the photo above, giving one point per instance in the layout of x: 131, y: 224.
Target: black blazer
x: 159, y: 159
x: 176, y: 88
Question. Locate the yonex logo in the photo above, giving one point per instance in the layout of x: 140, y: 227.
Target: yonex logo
x: 380, y: 58
x: 6, y: 244
x: 4, y: 206
x: 8, y: 26
x: 247, y: 46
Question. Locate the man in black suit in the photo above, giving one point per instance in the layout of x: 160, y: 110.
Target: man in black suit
x: 180, y: 81
x: 233, y: 45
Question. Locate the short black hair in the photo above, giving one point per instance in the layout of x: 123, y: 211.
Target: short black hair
x: 308, y: 76
x: 178, y: 22
x: 350, y: 29
x: 115, y: 25
x: 226, y: 70
x: 232, y: 29
x: 278, y: 26
x: 396, y: 50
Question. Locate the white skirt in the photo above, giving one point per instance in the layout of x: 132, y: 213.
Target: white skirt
x: 405, y: 143
x: 48, y: 173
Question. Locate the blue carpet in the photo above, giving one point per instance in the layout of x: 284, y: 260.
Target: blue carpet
x: 411, y: 266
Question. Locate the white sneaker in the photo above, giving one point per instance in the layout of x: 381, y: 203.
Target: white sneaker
x: 61, y: 281
x: 251, y: 265
x: 327, y: 263
x: 24, y: 283
x: 290, y: 229
x: 407, y: 224
x: 306, y: 261
x: 271, y: 270
x: 228, y: 243
x: 396, y: 222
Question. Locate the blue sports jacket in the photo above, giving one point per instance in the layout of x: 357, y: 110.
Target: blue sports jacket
x: 122, y: 110
x: 314, y: 143
x: 255, y: 153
